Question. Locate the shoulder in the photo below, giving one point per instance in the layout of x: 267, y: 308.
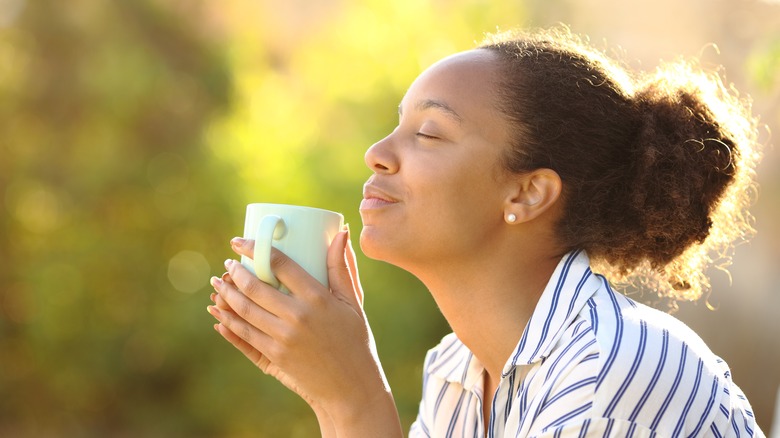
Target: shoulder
x: 623, y: 323
x: 654, y: 370
x: 633, y: 334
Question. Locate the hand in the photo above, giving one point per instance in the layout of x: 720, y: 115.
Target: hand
x: 315, y: 341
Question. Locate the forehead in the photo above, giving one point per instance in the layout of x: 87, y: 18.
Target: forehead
x: 465, y: 82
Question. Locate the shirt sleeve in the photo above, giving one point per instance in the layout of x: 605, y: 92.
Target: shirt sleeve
x: 735, y: 416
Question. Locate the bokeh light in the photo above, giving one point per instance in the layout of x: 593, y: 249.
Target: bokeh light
x: 188, y: 271
x: 9, y: 11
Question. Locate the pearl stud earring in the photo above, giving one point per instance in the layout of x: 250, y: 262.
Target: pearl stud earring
x: 511, y: 218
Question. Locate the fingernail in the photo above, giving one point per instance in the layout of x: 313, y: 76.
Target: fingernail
x: 213, y: 311
x: 215, y: 282
x: 228, y: 262
x: 237, y: 241
x: 216, y: 327
x: 213, y: 298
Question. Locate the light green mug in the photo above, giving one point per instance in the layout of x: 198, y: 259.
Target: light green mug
x: 302, y: 233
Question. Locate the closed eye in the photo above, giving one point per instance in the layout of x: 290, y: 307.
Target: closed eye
x: 424, y: 135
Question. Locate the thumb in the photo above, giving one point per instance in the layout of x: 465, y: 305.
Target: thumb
x: 339, y: 276
x: 349, y: 253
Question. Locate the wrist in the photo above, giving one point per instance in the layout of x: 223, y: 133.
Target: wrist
x: 376, y: 416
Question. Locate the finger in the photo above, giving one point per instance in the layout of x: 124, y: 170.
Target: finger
x: 245, y: 308
x: 244, y: 247
x: 338, y: 272
x: 243, y: 346
x: 226, y: 277
x: 217, y: 299
x: 255, y: 290
x: 353, y: 269
x: 221, y: 303
x: 254, y: 338
x: 289, y: 273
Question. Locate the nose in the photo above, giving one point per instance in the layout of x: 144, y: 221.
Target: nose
x: 382, y: 157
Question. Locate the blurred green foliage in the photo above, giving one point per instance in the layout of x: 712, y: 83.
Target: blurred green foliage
x: 764, y: 65
x: 132, y: 135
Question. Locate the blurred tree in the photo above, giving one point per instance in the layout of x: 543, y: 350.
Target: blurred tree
x: 104, y: 179
x: 132, y: 134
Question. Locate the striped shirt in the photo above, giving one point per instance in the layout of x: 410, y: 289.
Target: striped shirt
x: 590, y: 362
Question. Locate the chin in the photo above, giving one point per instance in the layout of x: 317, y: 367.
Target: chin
x: 370, y: 244
x: 378, y: 245
x: 389, y: 249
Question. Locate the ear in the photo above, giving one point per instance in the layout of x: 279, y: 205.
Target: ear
x: 533, y: 193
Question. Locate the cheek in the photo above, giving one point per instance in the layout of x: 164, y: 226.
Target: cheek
x: 461, y: 190
x: 456, y: 205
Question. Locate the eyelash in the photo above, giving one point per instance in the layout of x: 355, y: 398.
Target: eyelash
x: 426, y: 136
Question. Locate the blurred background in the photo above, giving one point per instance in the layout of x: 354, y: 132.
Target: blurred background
x: 133, y: 134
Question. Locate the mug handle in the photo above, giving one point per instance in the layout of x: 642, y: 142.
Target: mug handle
x: 271, y: 228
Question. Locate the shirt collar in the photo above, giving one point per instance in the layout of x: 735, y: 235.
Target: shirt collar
x: 570, y: 287
x: 455, y: 363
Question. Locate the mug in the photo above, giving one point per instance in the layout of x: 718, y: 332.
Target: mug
x: 302, y: 233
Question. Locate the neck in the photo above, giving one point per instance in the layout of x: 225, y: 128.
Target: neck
x: 489, y: 298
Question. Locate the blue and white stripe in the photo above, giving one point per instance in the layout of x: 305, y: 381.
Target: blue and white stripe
x: 591, y: 362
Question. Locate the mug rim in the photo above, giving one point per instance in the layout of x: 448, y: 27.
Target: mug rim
x: 294, y: 206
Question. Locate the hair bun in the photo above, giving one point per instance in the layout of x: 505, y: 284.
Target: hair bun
x: 687, y: 159
x: 683, y: 164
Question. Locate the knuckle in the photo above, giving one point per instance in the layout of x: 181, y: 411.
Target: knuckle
x: 245, y: 309
x: 263, y: 363
x: 286, y: 338
x: 299, y: 318
x: 239, y: 280
x: 251, y: 288
x: 229, y: 323
x: 222, y: 304
x: 246, y: 334
x: 278, y: 260
x: 249, y: 285
x: 334, y: 269
x: 276, y: 354
x: 317, y: 299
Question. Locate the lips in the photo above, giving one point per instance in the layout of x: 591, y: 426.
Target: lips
x: 375, y: 197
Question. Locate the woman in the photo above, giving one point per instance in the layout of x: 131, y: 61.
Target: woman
x: 514, y: 167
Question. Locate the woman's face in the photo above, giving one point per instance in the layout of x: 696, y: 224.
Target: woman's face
x: 438, y: 190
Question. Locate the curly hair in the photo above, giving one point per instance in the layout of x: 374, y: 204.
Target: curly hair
x: 658, y: 168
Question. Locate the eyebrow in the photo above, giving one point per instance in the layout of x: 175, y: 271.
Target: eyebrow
x: 436, y: 104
